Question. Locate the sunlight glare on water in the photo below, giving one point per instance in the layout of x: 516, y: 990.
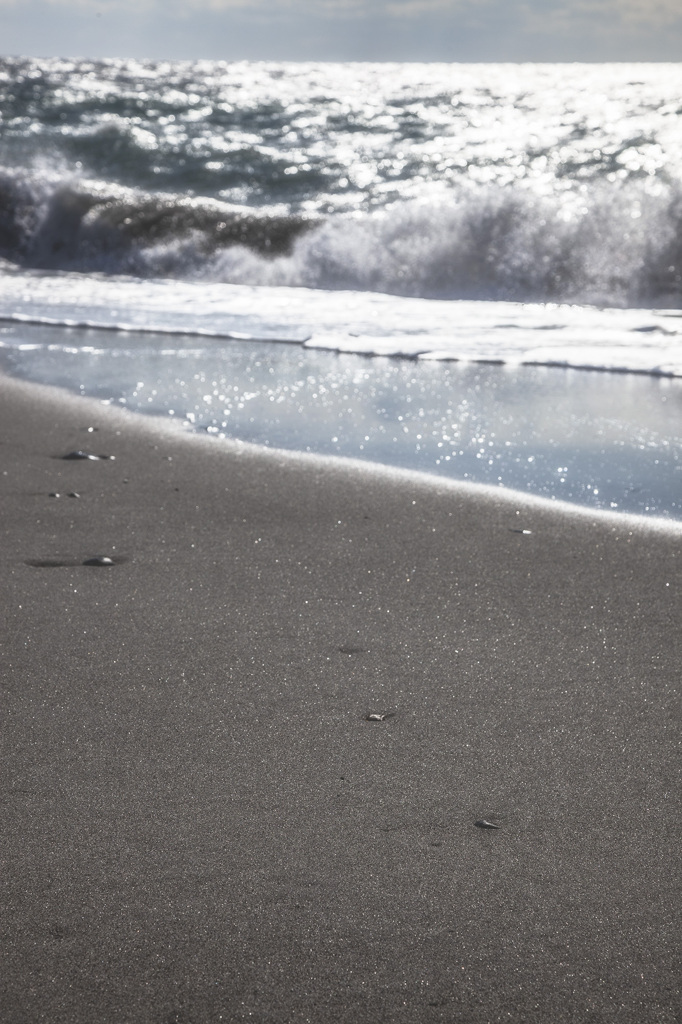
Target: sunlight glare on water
x: 606, y: 440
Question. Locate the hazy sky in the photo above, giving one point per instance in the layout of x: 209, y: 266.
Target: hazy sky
x: 449, y: 30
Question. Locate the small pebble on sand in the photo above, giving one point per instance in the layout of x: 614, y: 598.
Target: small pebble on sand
x: 86, y: 455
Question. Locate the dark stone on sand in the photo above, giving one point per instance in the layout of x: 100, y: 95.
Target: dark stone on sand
x: 91, y: 456
x: 74, y: 563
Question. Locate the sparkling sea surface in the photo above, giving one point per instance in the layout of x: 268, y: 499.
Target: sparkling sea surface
x: 449, y: 252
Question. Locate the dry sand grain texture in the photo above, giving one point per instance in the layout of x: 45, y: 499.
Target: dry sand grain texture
x: 200, y: 823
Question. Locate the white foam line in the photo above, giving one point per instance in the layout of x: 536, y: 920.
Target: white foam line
x: 123, y: 328
x: 624, y: 357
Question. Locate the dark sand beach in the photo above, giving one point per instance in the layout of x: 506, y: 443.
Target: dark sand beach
x: 200, y: 824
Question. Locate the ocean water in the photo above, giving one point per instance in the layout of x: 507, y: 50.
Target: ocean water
x: 422, y: 265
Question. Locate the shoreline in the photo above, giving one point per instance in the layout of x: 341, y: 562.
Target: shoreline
x: 158, y: 424
x: 200, y: 821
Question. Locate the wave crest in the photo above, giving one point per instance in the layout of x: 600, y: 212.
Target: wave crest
x: 618, y: 249
x: 615, y: 246
x: 89, y: 226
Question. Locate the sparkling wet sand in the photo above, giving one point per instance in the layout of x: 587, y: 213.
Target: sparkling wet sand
x: 200, y: 824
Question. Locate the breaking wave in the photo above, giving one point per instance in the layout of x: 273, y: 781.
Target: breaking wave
x: 620, y: 247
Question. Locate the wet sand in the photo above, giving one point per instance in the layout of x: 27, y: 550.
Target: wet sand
x: 200, y: 823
